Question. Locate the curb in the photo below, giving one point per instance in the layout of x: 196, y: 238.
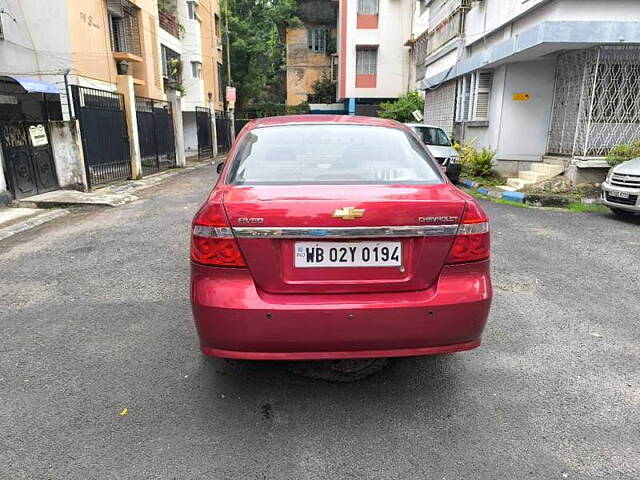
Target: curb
x: 533, y: 199
x: 510, y: 196
x: 32, y: 222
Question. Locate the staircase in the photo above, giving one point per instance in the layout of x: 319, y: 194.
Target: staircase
x: 539, y: 173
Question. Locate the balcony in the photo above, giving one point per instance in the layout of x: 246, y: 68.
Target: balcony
x: 169, y: 24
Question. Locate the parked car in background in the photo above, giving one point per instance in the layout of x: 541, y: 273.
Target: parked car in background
x: 337, y: 237
x: 439, y: 145
x: 621, y: 189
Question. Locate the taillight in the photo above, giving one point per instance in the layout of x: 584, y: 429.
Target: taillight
x: 472, y: 239
x: 212, y: 240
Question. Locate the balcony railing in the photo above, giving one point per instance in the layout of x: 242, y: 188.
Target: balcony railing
x: 169, y: 23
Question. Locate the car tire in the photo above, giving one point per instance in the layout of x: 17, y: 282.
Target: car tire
x: 341, y: 371
x: 622, y: 213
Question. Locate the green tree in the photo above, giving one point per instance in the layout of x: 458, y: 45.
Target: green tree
x: 401, y: 110
x: 256, y: 34
x: 323, y: 91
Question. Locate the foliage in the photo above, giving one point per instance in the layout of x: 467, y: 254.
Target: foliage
x: 624, y: 152
x: 402, y: 108
x: 256, y: 35
x: 323, y: 91
x: 579, y: 207
x: 271, y: 110
x: 476, y: 163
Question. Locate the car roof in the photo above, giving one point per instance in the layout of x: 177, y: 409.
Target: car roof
x: 326, y: 119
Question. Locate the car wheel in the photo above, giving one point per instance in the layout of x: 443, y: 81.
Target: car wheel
x: 341, y: 371
x: 622, y: 213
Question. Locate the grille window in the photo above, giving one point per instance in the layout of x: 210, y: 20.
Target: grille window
x: 123, y: 24
x: 366, y: 61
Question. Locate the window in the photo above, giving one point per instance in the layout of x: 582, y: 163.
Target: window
x: 332, y: 154
x: 171, y: 67
x: 216, y: 24
x: 472, y: 102
x: 1, y: 30
x: 367, y: 7
x: 433, y: 136
x: 196, y: 70
x: 366, y: 60
x: 191, y: 11
x: 123, y: 25
x: 317, y: 39
x: 422, y: 7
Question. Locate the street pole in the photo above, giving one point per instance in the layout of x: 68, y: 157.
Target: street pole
x: 230, y: 112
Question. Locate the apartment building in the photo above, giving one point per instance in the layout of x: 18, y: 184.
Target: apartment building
x: 191, y: 58
x: 311, y: 52
x: 374, y: 61
x: 534, y: 79
x: 123, y: 69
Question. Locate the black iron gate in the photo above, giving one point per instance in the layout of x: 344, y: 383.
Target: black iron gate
x: 155, y: 134
x: 105, y: 140
x: 223, y: 132
x: 203, y: 126
x: 27, y: 155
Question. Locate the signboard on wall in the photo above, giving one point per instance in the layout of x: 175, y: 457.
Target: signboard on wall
x: 231, y: 94
x: 521, y: 97
x: 38, y: 135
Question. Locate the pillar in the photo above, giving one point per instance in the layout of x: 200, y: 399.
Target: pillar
x: 352, y: 106
x: 124, y: 84
x: 178, y: 128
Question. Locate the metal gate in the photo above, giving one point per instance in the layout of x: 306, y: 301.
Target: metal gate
x: 203, y: 126
x: 596, y: 103
x: 223, y: 131
x: 27, y: 153
x: 155, y: 134
x: 105, y: 140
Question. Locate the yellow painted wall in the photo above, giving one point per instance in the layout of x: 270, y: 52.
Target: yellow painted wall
x: 304, y: 68
x: 91, y: 45
x: 211, y: 55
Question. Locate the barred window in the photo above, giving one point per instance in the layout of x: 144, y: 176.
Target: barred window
x: 317, y: 39
x: 368, y: 7
x: 366, y: 60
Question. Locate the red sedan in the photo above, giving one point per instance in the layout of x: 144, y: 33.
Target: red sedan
x: 337, y: 237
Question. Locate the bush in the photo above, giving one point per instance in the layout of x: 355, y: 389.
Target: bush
x: 475, y: 163
x: 401, y: 110
x: 624, y: 152
x: 322, y: 91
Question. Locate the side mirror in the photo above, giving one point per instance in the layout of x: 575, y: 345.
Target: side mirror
x: 219, y: 167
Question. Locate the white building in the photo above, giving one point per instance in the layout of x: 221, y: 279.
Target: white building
x: 374, y: 62
x: 533, y: 78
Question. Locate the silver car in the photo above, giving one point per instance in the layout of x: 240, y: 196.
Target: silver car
x: 621, y: 189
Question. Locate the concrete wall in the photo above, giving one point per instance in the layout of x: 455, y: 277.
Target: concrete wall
x: 5, y: 197
x: 190, y: 133
x: 517, y: 130
x: 192, y: 52
x: 66, y: 146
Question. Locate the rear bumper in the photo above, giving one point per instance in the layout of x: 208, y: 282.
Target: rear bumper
x: 236, y: 320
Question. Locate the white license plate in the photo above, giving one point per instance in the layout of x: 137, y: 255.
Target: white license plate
x: 615, y: 193
x: 348, y: 254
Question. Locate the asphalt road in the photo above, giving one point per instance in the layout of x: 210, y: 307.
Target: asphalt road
x: 95, y: 318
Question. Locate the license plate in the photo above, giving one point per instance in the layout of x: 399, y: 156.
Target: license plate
x: 348, y: 254
x: 615, y: 193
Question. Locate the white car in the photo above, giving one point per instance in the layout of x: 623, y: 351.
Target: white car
x: 621, y: 189
x: 439, y: 145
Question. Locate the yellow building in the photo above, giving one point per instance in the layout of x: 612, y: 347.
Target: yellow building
x: 311, y: 49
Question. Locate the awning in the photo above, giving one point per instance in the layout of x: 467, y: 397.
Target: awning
x: 31, y: 85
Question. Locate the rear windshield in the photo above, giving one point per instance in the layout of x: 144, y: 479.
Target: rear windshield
x: 331, y: 154
x: 433, y: 136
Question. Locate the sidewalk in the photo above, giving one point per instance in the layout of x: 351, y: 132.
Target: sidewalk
x: 33, y: 211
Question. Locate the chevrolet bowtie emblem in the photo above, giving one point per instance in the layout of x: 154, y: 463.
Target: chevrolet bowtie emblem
x: 348, y: 213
